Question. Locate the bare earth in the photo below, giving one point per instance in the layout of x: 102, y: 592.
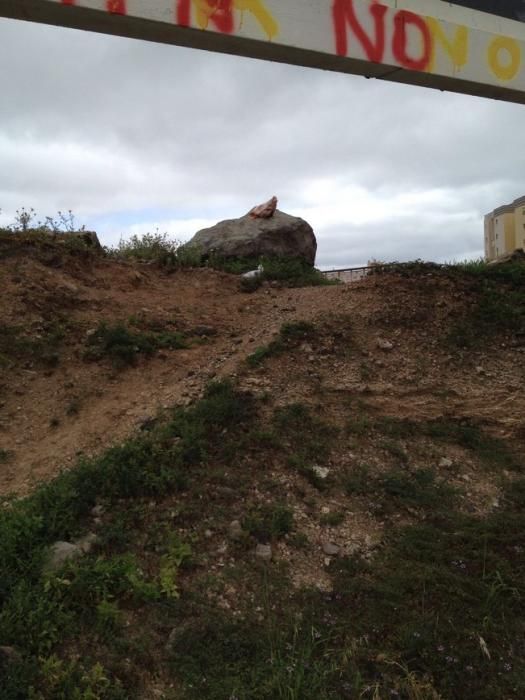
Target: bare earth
x: 51, y: 416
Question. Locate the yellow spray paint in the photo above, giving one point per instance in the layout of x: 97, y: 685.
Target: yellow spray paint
x: 501, y: 46
x: 456, y: 47
x: 206, y: 9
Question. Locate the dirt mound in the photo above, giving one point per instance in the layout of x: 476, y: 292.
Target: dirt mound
x: 339, y: 514
x: 56, y: 404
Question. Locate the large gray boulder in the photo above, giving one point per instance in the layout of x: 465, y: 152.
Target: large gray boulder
x: 281, y: 235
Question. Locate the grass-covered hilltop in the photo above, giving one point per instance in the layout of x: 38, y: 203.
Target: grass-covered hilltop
x: 215, y: 488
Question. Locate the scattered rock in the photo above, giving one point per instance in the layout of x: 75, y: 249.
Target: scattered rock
x: 204, y: 331
x: 445, y: 462
x: 331, y: 549
x: 86, y: 543
x: 384, y: 344
x: 60, y: 553
x: 177, y: 634
x: 321, y: 472
x: 263, y: 552
x: 97, y: 511
x: 145, y: 422
x: 235, y: 530
x: 9, y: 655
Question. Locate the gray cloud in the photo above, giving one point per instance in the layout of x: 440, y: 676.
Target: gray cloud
x: 107, y: 127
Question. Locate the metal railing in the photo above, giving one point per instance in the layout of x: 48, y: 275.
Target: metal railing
x: 347, y: 274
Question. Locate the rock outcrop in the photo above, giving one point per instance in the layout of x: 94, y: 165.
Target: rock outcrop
x: 280, y: 235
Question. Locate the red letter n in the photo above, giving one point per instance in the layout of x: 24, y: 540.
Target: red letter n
x: 343, y: 12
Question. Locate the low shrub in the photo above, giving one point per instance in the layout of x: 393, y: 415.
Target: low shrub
x: 157, y: 248
x: 122, y: 345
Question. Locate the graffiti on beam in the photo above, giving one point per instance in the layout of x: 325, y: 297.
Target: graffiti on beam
x: 416, y: 40
x: 221, y: 13
x: 365, y: 30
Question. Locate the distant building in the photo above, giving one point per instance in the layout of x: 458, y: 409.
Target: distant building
x: 505, y: 229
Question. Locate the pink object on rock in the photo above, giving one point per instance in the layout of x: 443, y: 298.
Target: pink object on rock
x: 264, y: 211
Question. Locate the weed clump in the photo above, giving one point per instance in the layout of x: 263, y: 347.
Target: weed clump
x: 306, y: 441
x: 122, y: 345
x: 157, y: 248
x: 268, y: 523
x: 16, y: 344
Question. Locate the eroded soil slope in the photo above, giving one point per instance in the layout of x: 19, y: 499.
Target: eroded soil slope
x: 57, y: 404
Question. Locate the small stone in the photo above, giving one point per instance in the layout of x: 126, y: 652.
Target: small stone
x: 9, y: 654
x: 331, y: 549
x: 86, y: 543
x: 235, y: 530
x: 60, y: 553
x: 383, y: 344
x: 480, y: 370
x: 177, y: 635
x: 145, y: 422
x: 204, y: 331
x: 255, y: 381
x: 263, y: 552
x: 97, y: 511
x: 321, y: 472
x: 445, y: 462
x: 208, y: 534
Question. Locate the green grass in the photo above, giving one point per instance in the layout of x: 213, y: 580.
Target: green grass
x: 332, y: 519
x: 499, y: 308
x: 493, y: 453
x: 306, y: 441
x: 416, y: 489
x: 405, y: 622
x: 435, y: 589
x: 267, y: 523
x: 87, y: 602
x: 356, y: 481
x: 17, y: 344
x: 157, y: 248
x: 122, y: 346
x: 496, y: 296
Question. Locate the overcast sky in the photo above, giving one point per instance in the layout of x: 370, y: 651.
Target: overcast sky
x: 134, y: 136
